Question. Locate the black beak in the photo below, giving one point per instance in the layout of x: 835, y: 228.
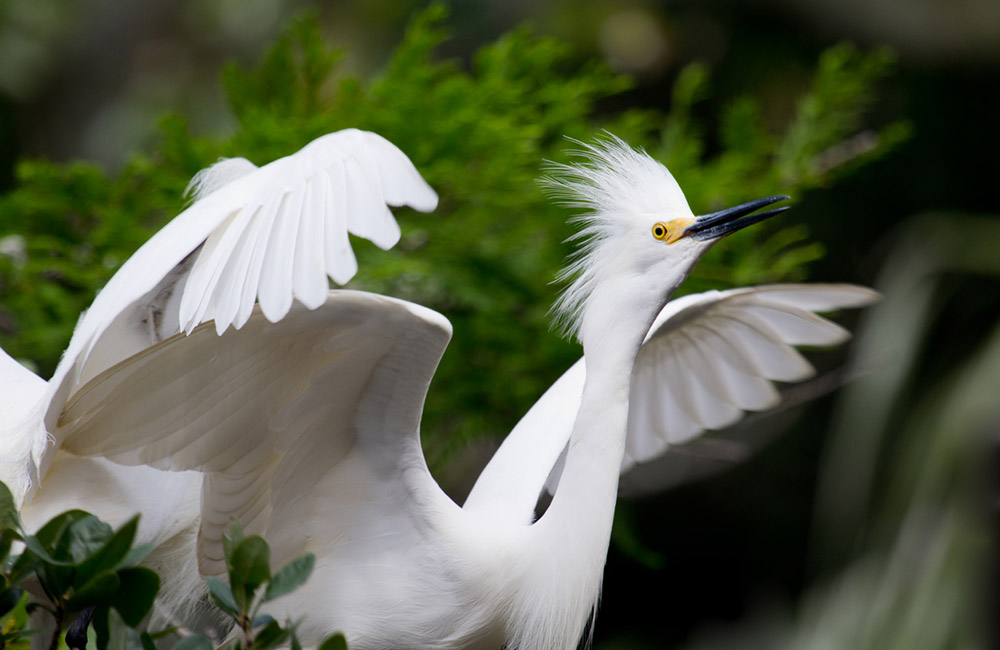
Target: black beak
x: 724, y: 222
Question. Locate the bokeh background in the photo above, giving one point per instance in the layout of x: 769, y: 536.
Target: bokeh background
x: 865, y: 518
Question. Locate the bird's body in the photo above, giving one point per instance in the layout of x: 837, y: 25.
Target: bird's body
x: 303, y: 421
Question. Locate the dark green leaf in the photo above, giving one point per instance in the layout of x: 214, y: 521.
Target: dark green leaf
x: 82, y: 538
x: 193, y: 642
x: 222, y: 596
x: 333, y: 642
x: 110, y: 555
x: 7, y: 537
x: 100, y: 625
x: 134, y: 599
x: 32, y: 607
x: 147, y: 641
x: 135, y: 555
x: 8, y: 510
x: 42, y: 544
x: 271, y: 636
x: 21, y: 566
x: 57, y: 579
x: 9, y: 598
x: 98, y: 589
x: 290, y: 577
x: 249, y: 567
x: 263, y: 619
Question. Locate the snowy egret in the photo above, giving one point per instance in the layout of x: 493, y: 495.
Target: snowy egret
x: 303, y: 421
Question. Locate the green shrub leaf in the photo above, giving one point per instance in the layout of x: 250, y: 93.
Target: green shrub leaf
x: 8, y: 509
x: 290, y: 577
x: 222, y: 596
x: 249, y: 568
x: 99, y: 588
x: 110, y: 555
x: 271, y: 636
x: 82, y: 538
x: 134, y: 599
x: 333, y: 642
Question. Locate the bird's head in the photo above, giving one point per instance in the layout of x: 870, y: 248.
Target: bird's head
x: 639, y: 239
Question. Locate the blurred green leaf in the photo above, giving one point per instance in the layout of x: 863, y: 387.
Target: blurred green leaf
x: 46, y: 538
x: 82, y: 538
x: 263, y: 619
x: 97, y: 589
x: 9, y: 599
x: 333, y: 642
x: 272, y: 636
x: 290, y: 577
x: 110, y: 555
x: 147, y: 641
x: 8, y: 509
x: 249, y: 568
x: 135, y: 555
x: 222, y: 596
x: 134, y: 600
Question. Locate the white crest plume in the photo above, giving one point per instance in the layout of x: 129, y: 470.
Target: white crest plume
x: 621, y: 190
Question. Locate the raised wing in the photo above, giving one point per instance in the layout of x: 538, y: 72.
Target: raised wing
x: 274, y: 411
x: 710, y: 357
x: 707, y: 359
x: 271, y: 235
x: 289, y: 230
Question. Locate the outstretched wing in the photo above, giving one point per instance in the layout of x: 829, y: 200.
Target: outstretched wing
x: 270, y: 234
x: 274, y: 411
x: 711, y: 357
x: 707, y: 359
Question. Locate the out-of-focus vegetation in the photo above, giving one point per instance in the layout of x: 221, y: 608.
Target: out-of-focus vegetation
x: 485, y: 258
x: 78, y: 583
x: 892, y: 556
x: 914, y: 541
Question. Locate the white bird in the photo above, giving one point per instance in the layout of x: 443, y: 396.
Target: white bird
x: 303, y: 421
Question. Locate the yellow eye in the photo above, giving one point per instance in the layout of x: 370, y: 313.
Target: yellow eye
x: 669, y: 232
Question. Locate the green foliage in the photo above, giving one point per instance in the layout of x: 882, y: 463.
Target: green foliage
x: 823, y: 140
x: 86, y: 571
x: 248, y: 565
x: 486, y: 257
x: 89, y: 576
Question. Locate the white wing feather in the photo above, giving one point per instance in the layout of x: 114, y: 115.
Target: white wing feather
x: 707, y: 359
x: 338, y: 184
x: 270, y: 411
x: 271, y: 235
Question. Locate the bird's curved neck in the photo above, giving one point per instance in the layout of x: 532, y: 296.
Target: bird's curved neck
x: 575, y: 530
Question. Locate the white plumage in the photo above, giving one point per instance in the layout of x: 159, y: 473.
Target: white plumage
x: 303, y: 420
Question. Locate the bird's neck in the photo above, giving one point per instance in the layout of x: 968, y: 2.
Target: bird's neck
x: 575, y: 530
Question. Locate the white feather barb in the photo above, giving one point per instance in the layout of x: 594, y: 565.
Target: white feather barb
x: 301, y: 197
x: 223, y: 172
